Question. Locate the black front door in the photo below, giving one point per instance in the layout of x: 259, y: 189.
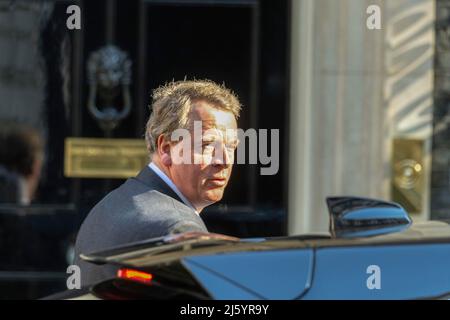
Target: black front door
x: 44, y: 82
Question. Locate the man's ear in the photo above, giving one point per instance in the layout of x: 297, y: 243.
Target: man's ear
x: 164, y: 150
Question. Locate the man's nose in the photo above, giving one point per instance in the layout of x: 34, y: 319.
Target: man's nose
x: 221, y: 156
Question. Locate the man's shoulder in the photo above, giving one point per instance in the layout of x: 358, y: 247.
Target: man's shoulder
x: 132, y: 212
x: 135, y: 195
x: 134, y: 205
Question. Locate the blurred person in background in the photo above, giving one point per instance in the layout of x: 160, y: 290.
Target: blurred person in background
x: 21, y: 157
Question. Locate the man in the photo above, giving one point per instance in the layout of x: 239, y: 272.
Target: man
x: 184, y: 176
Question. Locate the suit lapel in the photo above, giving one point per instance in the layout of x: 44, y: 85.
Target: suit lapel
x: 148, y: 177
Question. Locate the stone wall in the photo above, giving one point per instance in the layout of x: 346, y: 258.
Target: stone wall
x: 440, y: 182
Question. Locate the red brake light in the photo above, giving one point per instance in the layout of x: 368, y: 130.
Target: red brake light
x: 135, y: 275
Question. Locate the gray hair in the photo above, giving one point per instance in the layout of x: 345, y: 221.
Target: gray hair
x: 172, y: 104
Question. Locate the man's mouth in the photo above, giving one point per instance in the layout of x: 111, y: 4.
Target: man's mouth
x: 218, y: 181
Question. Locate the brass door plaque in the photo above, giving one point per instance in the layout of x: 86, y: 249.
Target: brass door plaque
x: 408, y: 174
x: 104, y: 158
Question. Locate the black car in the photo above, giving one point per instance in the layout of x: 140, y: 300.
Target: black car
x: 373, y: 251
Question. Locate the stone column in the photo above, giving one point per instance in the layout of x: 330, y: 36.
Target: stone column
x: 345, y: 103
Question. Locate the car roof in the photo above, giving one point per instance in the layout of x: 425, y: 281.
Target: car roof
x: 145, y: 254
x: 418, y: 232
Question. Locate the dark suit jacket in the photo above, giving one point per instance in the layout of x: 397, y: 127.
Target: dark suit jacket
x: 142, y: 208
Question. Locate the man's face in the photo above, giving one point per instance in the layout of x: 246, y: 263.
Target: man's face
x: 203, y: 179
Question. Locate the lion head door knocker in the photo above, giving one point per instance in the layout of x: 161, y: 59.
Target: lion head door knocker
x: 109, y: 77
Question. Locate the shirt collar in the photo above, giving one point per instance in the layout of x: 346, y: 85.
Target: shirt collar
x: 172, y: 186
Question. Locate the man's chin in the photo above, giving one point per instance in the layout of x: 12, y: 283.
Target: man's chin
x: 213, y: 196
